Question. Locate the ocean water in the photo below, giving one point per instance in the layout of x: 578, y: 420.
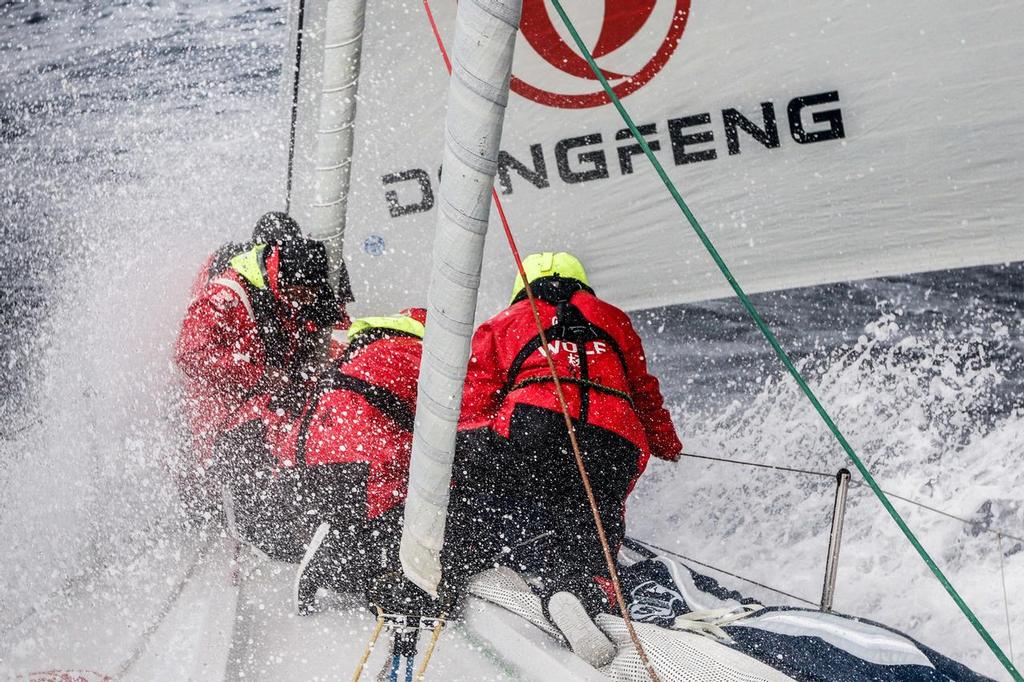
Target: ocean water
x: 122, y: 125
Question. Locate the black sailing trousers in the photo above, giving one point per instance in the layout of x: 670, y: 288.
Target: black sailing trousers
x: 278, y: 510
x: 520, y: 503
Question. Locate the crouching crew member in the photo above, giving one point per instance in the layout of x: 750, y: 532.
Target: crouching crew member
x: 331, y: 478
x: 355, y: 446
x: 261, y: 328
x: 516, y: 483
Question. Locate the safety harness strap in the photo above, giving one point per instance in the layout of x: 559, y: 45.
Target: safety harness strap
x: 259, y: 302
x: 383, y: 399
x: 379, y: 397
x: 586, y: 383
x: 268, y: 324
x: 571, y: 326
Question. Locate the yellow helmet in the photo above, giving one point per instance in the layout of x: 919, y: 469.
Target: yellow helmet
x: 548, y: 264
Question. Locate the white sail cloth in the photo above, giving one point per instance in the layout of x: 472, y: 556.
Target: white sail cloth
x: 924, y: 176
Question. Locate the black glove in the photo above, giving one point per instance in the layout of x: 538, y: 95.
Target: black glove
x: 393, y: 593
x: 323, y: 312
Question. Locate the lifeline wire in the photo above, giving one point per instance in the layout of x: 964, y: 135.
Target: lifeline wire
x: 999, y: 533
x: 759, y: 465
x: 966, y: 522
x: 808, y: 472
x: 783, y: 356
x: 608, y: 558
x: 995, y: 531
x: 722, y: 570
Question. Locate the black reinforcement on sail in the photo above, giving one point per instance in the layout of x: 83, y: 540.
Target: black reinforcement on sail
x: 295, y: 105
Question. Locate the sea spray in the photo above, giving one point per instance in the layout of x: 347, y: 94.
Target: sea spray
x: 919, y: 409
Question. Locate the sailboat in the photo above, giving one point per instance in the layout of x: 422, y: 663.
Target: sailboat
x: 812, y: 157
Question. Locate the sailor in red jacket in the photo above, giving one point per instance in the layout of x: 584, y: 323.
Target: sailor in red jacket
x: 355, y: 444
x: 259, y: 328
x: 273, y: 228
x: 332, y: 479
x: 515, y: 462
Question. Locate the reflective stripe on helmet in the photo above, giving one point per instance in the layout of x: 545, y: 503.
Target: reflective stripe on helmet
x: 399, y: 323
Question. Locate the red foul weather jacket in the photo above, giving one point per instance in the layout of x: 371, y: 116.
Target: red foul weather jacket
x: 221, y: 352
x: 604, y: 377
x: 367, y: 415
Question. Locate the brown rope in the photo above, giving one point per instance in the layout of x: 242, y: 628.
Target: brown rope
x: 369, y: 645
x: 434, y: 636
x: 608, y: 558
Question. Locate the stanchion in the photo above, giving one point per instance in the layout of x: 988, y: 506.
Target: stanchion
x: 834, y: 540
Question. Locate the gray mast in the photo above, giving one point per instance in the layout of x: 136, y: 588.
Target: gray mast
x: 485, y: 35
x: 325, y: 53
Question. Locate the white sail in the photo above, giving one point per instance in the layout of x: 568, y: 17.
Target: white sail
x: 815, y: 144
x: 481, y: 63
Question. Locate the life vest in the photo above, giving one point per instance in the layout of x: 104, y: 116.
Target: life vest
x: 570, y: 326
x: 362, y: 333
x: 503, y: 374
x: 363, y: 414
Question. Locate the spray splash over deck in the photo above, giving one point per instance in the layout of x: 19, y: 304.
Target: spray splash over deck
x: 122, y: 155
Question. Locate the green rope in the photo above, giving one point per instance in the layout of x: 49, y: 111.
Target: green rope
x: 782, y: 353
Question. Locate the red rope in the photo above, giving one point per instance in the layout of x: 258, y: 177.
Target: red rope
x: 608, y: 558
x: 437, y: 37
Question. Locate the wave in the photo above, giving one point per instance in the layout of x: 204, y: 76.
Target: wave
x: 926, y: 414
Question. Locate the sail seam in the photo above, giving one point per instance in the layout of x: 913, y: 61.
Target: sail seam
x: 344, y: 43
x: 340, y: 88
x: 494, y: 9
x: 477, y: 85
x: 336, y: 166
x: 332, y: 131
x: 329, y: 204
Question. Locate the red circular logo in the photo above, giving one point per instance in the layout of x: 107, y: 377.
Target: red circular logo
x: 621, y: 23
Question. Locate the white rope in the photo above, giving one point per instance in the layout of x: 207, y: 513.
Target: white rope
x: 710, y: 623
